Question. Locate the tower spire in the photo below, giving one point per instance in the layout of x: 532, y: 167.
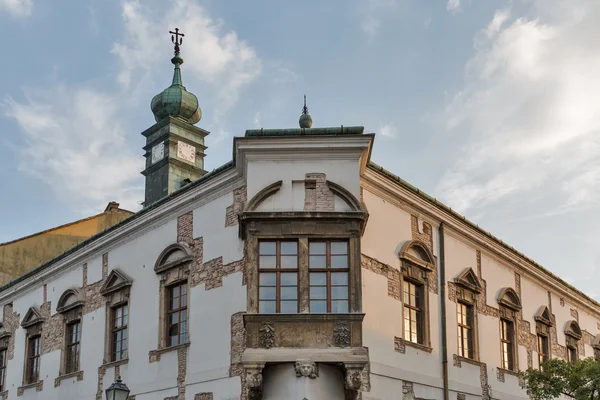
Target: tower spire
x: 305, y: 119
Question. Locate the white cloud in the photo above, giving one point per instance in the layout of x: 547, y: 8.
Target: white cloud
x: 388, y: 130
x: 17, y: 8
x: 370, y: 26
x: 257, y: 123
x: 374, y: 12
x: 529, y: 114
x: 453, y: 6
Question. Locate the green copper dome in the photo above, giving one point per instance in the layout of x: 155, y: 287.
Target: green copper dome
x: 175, y: 101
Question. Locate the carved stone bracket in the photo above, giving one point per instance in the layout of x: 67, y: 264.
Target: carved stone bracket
x: 353, y: 380
x: 306, y: 368
x: 341, y: 334
x: 267, y: 334
x: 254, y: 381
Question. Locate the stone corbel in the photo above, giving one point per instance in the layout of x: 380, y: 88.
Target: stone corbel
x: 353, y: 380
x: 306, y: 368
x: 254, y: 381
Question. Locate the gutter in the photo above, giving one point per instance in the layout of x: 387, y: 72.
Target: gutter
x: 443, y: 311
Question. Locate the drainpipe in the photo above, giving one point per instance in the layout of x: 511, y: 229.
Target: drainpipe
x: 443, y: 311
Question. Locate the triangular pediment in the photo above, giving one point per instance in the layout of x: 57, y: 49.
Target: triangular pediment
x: 32, y: 317
x: 509, y: 298
x: 116, y: 280
x: 469, y: 280
x: 543, y: 315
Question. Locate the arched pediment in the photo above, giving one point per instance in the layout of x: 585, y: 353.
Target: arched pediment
x: 32, y: 317
x: 116, y: 280
x: 263, y: 194
x: 417, y: 252
x: 508, y: 297
x: 543, y: 315
x: 345, y: 195
x: 468, y: 279
x: 572, y: 329
x: 173, y: 256
x: 70, y: 299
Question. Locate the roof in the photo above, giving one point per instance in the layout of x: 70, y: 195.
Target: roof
x: 341, y: 130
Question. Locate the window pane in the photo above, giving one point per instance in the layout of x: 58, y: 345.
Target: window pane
x: 339, y: 248
x: 267, y: 293
x: 318, y: 292
x: 267, y: 262
x: 318, y: 262
x: 289, y: 248
x: 339, y: 278
x: 267, y: 248
x: 174, y: 319
x: 339, y: 261
x: 267, y: 279
x: 339, y: 306
x: 289, y: 261
x: 289, y: 293
x: 266, y: 307
x: 339, y: 292
x: 318, y: 306
x: 317, y: 248
x: 289, y: 279
x: 318, y: 278
x: 289, y: 307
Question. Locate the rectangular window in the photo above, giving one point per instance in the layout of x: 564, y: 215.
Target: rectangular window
x: 73, y: 346
x: 278, y: 277
x: 543, y: 350
x: 465, y: 330
x: 413, y: 311
x: 572, y: 354
x: 2, y: 370
x: 120, y: 321
x: 177, y: 314
x: 507, y: 339
x: 329, y: 268
x: 33, y: 359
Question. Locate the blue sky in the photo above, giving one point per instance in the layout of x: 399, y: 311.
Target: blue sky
x: 491, y: 106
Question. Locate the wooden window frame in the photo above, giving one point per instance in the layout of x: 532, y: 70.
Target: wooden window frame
x: 70, y: 364
x: 278, y: 270
x: 116, y: 290
x: 32, y: 375
x: 114, y: 329
x: 3, y: 365
x: 420, y: 293
x: 543, y: 341
x: 328, y: 270
x: 179, y: 310
x: 507, y: 328
x: 468, y: 328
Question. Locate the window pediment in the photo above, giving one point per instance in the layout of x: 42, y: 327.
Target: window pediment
x: 468, y: 279
x: 173, y: 256
x: 417, y: 252
x: 509, y: 298
x: 116, y: 280
x: 596, y: 342
x: 32, y: 317
x: 543, y: 315
x: 572, y: 329
x: 69, y: 300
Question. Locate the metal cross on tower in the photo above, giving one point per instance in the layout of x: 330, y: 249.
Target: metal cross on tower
x: 176, y: 39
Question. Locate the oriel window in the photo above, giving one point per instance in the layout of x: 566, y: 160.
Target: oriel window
x: 119, y: 332
x: 413, y: 312
x: 73, y: 346
x: 507, y: 339
x: 465, y: 330
x: 278, y: 276
x: 177, y: 315
x: 329, y: 269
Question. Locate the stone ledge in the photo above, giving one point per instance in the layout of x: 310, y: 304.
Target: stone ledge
x: 60, y: 378
x: 154, y: 355
x: 333, y: 355
x: 400, y: 343
x: 458, y: 360
x: 116, y: 363
x: 508, y: 371
x: 39, y: 386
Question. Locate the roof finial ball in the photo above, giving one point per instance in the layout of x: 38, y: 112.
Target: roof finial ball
x: 305, y: 118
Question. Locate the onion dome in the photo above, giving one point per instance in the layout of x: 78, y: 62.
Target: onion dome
x: 305, y: 119
x: 175, y: 101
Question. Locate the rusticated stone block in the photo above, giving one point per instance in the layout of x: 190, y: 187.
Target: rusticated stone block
x: 232, y: 212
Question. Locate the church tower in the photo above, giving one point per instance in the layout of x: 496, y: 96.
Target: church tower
x: 174, y: 147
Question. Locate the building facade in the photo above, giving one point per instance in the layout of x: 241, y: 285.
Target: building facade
x: 299, y: 270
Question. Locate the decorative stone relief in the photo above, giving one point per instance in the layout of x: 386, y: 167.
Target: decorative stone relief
x: 254, y: 382
x: 353, y: 380
x: 407, y: 391
x: 238, y: 344
x: 461, y: 396
x: 341, y: 334
x: 306, y: 368
x: 399, y: 346
x: 204, y: 396
x: 266, y: 335
x: 500, y: 375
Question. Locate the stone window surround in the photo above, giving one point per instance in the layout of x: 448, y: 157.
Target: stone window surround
x: 116, y: 291
x: 32, y: 323
x: 468, y: 288
x: 416, y: 270
x: 509, y: 308
x: 4, y: 342
x: 572, y: 337
x: 71, y: 312
x: 170, y: 273
x: 543, y: 324
x: 596, y: 347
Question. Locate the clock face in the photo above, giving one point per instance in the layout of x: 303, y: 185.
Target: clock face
x: 186, y: 152
x: 158, y: 152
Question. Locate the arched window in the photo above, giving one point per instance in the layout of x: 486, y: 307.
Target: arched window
x: 573, y: 336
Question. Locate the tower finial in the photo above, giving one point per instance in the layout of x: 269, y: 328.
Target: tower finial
x: 304, y: 109
x: 177, y: 41
x: 305, y: 119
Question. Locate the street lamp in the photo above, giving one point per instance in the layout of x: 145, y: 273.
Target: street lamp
x: 117, y: 391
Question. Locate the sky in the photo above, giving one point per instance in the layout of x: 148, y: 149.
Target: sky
x: 492, y: 107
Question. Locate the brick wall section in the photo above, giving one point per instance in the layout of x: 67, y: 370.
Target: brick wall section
x: 204, y: 396
x: 213, y: 271
x: 317, y: 195
x: 238, y: 344
x: 99, y: 390
x: 45, y: 297
x: 392, y: 274
x: 104, y: 265
x: 524, y: 336
x: 11, y: 321
x: 426, y: 237
x: 181, y: 371
x: 574, y: 314
x: 482, y: 306
x: 239, y: 200
x: 558, y: 350
x: 52, y: 329
x: 185, y: 229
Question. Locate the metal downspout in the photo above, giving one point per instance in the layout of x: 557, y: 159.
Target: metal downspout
x: 443, y: 311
